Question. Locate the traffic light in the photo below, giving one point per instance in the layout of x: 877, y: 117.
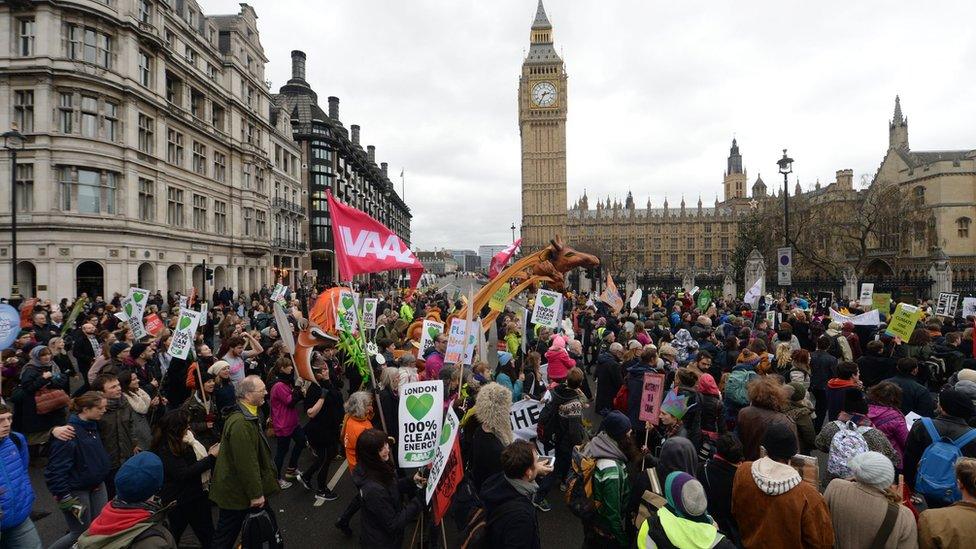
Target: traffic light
x: 210, y: 274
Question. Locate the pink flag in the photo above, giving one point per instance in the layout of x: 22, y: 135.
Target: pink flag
x: 364, y: 245
x: 501, y: 258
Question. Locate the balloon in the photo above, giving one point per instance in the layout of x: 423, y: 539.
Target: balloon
x: 9, y: 325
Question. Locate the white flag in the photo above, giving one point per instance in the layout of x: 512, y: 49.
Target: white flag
x: 753, y: 294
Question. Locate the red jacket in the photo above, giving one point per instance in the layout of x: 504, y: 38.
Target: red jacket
x: 560, y: 364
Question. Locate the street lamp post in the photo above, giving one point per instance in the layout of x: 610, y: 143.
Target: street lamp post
x: 13, y: 141
x: 513, y: 232
x: 786, y: 168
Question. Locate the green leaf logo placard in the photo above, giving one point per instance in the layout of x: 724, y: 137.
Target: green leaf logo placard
x: 369, y: 306
x: 138, y: 296
x: 433, y: 332
x: 548, y: 300
x: 445, y: 433
x: 128, y: 309
x: 418, y: 406
x: 347, y: 302
x: 184, y: 322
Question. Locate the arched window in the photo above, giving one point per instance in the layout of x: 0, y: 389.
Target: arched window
x: 919, y: 196
x: 962, y: 226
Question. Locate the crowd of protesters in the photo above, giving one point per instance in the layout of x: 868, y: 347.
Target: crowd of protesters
x: 137, y: 446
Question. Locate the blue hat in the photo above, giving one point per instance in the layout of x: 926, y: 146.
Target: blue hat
x: 139, y: 478
x: 615, y: 424
x: 504, y: 357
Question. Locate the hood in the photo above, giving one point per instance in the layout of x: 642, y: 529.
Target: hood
x: 604, y: 447
x: 838, y: 383
x: 877, y: 413
x: 707, y: 385
x: 640, y: 368
x: 119, y: 524
x: 683, y: 532
x: 561, y: 394
x: 747, y: 357
x: 497, y: 490
x: 678, y: 454
x: 78, y: 423
x: 774, y: 478
x: 556, y: 354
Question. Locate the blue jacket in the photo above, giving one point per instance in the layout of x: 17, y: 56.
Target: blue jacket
x: 16, y: 492
x: 77, y: 464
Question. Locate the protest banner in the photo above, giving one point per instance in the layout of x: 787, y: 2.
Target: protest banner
x: 456, y: 344
x: 184, y: 302
x: 870, y: 318
x: 345, y: 310
x: 420, y: 410
x: 134, y: 305
x: 186, y: 327
x: 611, y: 296
x: 946, y: 305
x: 497, y: 301
x: 881, y: 302
x: 547, y: 307
x: 153, y: 324
x: 524, y: 416
x: 968, y: 307
x: 369, y: 312
x: 903, y: 321
x: 279, y: 292
x: 704, y: 300
x: 450, y: 480
x: 9, y: 325
x: 429, y: 332
x: 636, y: 297
x: 752, y: 295
x: 284, y: 327
x: 867, y: 290
x: 824, y: 301
x: 651, y: 395
x: 69, y: 322
x: 452, y: 425
x: 771, y: 319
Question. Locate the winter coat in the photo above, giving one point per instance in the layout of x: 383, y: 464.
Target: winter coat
x: 752, y: 424
x: 875, y: 368
x: 891, y: 423
x: 802, y: 416
x: 666, y: 530
x: 693, y: 417
x: 284, y: 408
x: 918, y: 440
x: 567, y: 404
x: 775, y: 508
x: 485, y: 456
x: 383, y: 517
x: 836, y: 389
x: 139, y: 402
x: 245, y: 469
x: 515, y: 387
x: 560, y: 364
x: 711, y: 413
x: 32, y: 381
x: 135, y: 526
x: 117, y: 428
x: 198, y: 416
x: 915, y: 397
x: 323, y: 429
x: 611, y: 488
x: 512, y: 519
x: 857, y: 512
x: 953, y: 526
x: 635, y: 388
x: 77, y: 464
x: 16, y: 491
x: 877, y: 442
x: 224, y: 397
x: 716, y: 476
x: 608, y: 381
x: 822, y: 366
x: 181, y: 474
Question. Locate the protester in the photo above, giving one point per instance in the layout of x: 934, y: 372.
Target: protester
x: 133, y: 518
x: 41, y: 382
x: 915, y: 397
x: 683, y: 521
x: 847, y: 380
x: 800, y: 412
x: 140, y: 403
x: 224, y: 397
x: 772, y: 505
x: 560, y: 363
x: 510, y: 376
x: 884, y: 403
x: 767, y: 397
x: 285, y: 400
x: 201, y: 412
x: 859, y: 510
x: 850, y: 434
x: 324, y: 408
x: 233, y: 353
x: 358, y: 419
x: 608, y: 377
x: 612, y: 449
x: 953, y: 526
x: 76, y: 473
x: 17, y: 530
x: 508, y: 496
x: 434, y: 358
x: 244, y: 475
x: 875, y: 365
x: 490, y: 433
x: 717, y: 476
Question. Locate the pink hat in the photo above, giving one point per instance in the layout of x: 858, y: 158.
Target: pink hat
x: 558, y: 343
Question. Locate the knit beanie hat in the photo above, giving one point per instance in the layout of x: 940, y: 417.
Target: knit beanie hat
x: 854, y: 402
x: 615, y: 424
x: 138, y: 349
x: 873, y: 469
x: 117, y: 348
x: 967, y: 374
x: 799, y: 391
x: 779, y: 442
x: 966, y: 387
x: 675, y: 404
x: 685, y: 495
x: 955, y: 403
x: 504, y: 357
x: 217, y: 367
x: 139, y: 478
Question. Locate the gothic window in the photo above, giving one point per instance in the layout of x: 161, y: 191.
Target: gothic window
x: 962, y: 227
x: 918, y: 196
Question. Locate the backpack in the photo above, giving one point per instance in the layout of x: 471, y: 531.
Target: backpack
x: 735, y: 387
x: 475, y: 533
x: 545, y: 429
x: 846, y: 443
x: 835, y: 349
x: 936, y: 478
x: 579, y: 486
x: 260, y: 531
x: 621, y: 398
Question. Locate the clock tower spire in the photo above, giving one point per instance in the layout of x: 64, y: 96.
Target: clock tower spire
x: 542, y: 105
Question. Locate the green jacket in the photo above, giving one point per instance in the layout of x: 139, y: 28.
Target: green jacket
x: 245, y: 469
x: 611, y: 489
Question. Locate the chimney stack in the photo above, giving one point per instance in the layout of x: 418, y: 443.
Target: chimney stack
x: 354, y: 134
x: 297, y: 65
x: 334, y: 108
x: 371, y: 153
x: 383, y: 167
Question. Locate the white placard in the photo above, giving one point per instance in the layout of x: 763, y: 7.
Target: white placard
x: 870, y: 318
x: 636, y: 297
x: 133, y: 305
x: 946, y: 306
x: 867, y: 290
x: 429, y: 332
x: 449, y: 433
x: 968, y: 307
x: 345, y: 310
x: 284, y: 328
x: 456, y: 344
x: 420, y: 411
x: 369, y: 312
x: 524, y: 416
x: 186, y: 328
x: 547, y: 308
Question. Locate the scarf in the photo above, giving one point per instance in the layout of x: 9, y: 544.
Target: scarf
x: 138, y: 401
x: 199, y: 452
x: 525, y: 487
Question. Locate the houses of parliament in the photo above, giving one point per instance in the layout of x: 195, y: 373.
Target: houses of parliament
x: 681, y: 237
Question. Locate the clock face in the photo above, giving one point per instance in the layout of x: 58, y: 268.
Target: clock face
x: 544, y: 94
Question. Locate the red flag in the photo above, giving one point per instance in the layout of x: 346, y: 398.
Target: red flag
x: 27, y: 312
x: 500, y: 259
x: 450, y: 479
x: 364, y: 245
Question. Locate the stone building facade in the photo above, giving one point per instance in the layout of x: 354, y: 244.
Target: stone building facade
x: 336, y: 162
x: 148, y: 132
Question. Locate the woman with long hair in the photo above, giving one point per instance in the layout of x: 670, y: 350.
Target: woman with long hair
x: 285, y: 399
x: 533, y: 385
x: 186, y: 476
x: 141, y: 404
x: 383, y: 517
x: 884, y: 411
x: 41, y: 376
x: 783, y: 357
x: 799, y: 371
x: 510, y: 376
x: 490, y: 434
x: 76, y: 472
x: 201, y: 411
x: 767, y: 404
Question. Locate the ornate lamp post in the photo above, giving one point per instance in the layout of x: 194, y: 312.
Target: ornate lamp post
x: 13, y: 141
x: 786, y: 168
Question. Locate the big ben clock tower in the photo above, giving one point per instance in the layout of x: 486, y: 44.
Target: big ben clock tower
x: 542, y: 126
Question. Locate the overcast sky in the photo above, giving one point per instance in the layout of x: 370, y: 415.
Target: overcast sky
x: 657, y: 90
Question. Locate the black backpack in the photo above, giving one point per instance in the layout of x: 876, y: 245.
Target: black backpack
x: 835, y: 350
x: 475, y: 534
x: 260, y: 531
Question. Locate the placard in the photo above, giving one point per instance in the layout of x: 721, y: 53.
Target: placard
x: 420, y: 410
x: 133, y: 305
x: 186, y: 328
x: 369, y: 312
x: 946, y: 305
x: 824, y: 301
x: 429, y: 332
x: 968, y: 307
x: 9, y: 325
x: 636, y: 297
x: 867, y: 290
x: 547, y: 307
x: 153, y: 324
x: 870, y: 318
x: 445, y: 443
x: 456, y: 344
x: 450, y: 480
x: 345, y: 310
x: 498, y: 299
x: 903, y: 321
x: 524, y: 416
x: 881, y: 302
x: 284, y: 327
x: 651, y: 395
